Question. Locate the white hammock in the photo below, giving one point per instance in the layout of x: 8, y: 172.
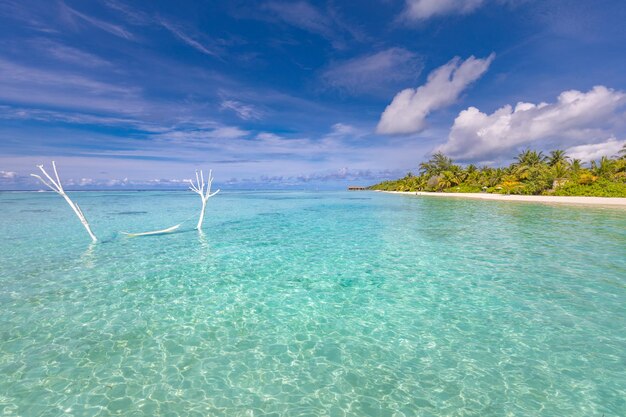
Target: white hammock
x: 154, y: 232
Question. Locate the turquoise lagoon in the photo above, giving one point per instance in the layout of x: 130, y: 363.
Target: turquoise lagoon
x: 311, y: 304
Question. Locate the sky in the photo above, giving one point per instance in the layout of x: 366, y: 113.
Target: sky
x: 301, y: 94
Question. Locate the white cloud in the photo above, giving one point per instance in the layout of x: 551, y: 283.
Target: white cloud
x: 341, y: 174
x: 201, y: 135
x: 117, y: 182
x: 373, y: 72
x: 228, y: 132
x: 176, y: 154
x: 24, y: 113
x: 408, y: 111
x: 133, y: 16
x: 243, y: 111
x: 343, y: 129
x: 187, y: 35
x: 188, y: 39
x: 595, y: 151
x: 425, y: 9
x: 95, y: 183
x: 421, y: 10
x: 575, y: 118
x: 8, y: 175
x: 116, y: 30
x: 68, y: 54
x: 30, y: 85
x: 327, y: 23
x: 267, y: 136
x: 301, y: 14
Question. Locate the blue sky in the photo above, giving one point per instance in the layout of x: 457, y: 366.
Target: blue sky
x: 299, y: 93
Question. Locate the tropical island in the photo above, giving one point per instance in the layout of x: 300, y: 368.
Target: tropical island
x: 532, y: 173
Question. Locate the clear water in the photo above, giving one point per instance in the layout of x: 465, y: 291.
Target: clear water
x: 311, y: 304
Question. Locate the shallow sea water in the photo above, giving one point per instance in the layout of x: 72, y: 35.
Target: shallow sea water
x: 311, y: 304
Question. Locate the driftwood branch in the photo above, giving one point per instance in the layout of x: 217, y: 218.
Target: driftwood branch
x: 204, y: 190
x: 57, y: 187
x: 154, y: 232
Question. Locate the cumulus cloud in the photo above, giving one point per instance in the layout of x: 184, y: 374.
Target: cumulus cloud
x: 595, y: 151
x: 228, y: 132
x: 343, y: 129
x: 8, y: 175
x: 117, y: 182
x: 425, y: 9
x: 99, y: 183
x: 408, y: 111
x: 576, y: 117
x: 341, y: 175
x: 373, y: 72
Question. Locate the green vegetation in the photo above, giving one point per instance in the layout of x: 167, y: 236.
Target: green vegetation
x: 532, y: 173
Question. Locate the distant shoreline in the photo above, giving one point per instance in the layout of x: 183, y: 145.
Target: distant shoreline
x: 589, y: 201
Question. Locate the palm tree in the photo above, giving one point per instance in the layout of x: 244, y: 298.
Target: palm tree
x: 421, y: 182
x: 530, y: 158
x: 559, y: 170
x: 528, y: 163
x: 435, y: 165
x: 575, y: 166
x: 531, y: 173
x: 496, y: 176
x: 441, y: 160
x: 557, y: 157
x: 402, y: 185
x: 448, y: 179
x: 603, y: 168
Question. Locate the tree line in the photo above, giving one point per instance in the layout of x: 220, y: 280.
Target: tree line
x: 531, y: 173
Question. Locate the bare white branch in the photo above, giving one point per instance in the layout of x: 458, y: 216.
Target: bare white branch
x: 43, y: 181
x: 57, y: 187
x: 54, y: 166
x: 154, y: 232
x: 204, y: 190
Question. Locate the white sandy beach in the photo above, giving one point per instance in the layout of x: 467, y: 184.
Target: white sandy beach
x: 592, y: 201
